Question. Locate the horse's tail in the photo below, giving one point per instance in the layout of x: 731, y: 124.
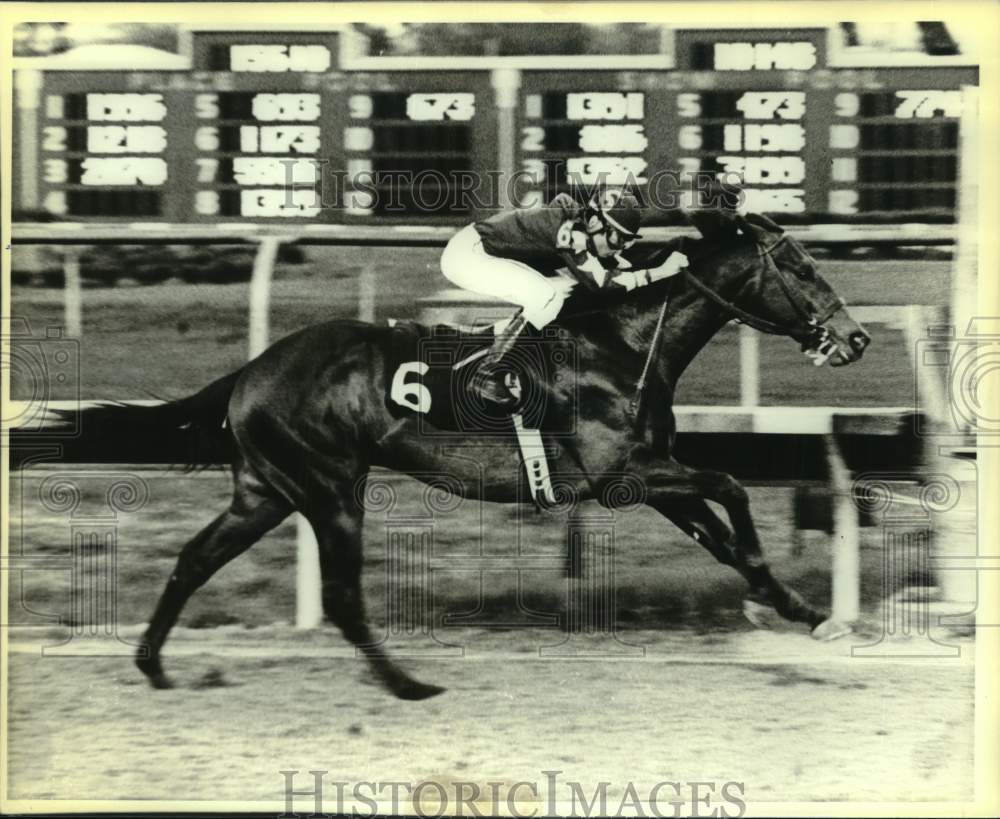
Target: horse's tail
x: 191, y: 431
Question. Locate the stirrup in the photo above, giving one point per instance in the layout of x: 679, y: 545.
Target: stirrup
x: 505, y: 392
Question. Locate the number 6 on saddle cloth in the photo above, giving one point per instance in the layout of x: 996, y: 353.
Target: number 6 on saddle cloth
x: 430, y: 372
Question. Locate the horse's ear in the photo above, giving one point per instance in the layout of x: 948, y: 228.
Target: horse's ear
x: 715, y: 211
x: 715, y: 224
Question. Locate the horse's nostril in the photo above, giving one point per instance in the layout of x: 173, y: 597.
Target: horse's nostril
x: 859, y: 341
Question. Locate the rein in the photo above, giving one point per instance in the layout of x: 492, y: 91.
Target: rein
x: 654, y: 346
x: 810, y: 322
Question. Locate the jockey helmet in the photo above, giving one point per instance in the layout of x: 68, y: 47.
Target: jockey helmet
x: 619, y: 215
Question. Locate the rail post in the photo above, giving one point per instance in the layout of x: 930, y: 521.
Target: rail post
x: 845, y: 604
x: 366, y: 293
x: 72, y: 293
x: 506, y: 82
x: 28, y: 98
x: 260, y: 294
x: 749, y: 367
x: 308, y: 588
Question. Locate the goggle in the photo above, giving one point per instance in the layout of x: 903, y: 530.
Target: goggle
x: 618, y: 240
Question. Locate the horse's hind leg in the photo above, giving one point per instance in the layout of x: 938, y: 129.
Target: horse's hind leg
x: 253, y: 512
x: 338, y: 532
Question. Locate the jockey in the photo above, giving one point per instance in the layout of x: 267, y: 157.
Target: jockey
x: 534, y: 257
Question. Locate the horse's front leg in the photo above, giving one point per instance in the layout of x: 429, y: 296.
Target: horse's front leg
x: 679, y: 492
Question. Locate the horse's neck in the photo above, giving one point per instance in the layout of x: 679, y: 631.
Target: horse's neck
x: 690, y: 322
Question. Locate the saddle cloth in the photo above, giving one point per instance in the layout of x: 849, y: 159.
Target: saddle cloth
x: 430, y: 370
x: 429, y: 376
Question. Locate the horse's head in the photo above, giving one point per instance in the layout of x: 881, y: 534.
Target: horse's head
x: 765, y: 278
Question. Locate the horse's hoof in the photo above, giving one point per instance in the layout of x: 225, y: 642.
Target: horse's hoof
x: 831, y: 630
x: 761, y: 615
x: 161, y: 682
x: 418, y: 691
x: 154, y: 673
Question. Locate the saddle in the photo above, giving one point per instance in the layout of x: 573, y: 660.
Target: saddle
x: 429, y: 376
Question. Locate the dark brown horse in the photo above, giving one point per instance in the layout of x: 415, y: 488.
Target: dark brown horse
x: 308, y: 419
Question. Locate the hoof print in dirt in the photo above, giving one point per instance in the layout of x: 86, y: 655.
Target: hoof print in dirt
x: 212, y: 679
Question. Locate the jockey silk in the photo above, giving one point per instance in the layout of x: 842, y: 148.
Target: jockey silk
x: 524, y: 256
x: 537, y: 237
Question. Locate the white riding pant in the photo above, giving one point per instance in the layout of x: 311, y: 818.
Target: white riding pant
x: 466, y: 264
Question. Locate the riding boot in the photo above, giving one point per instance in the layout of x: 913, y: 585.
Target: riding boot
x: 489, y: 380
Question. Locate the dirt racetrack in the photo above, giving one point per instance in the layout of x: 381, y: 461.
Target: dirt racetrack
x: 789, y: 718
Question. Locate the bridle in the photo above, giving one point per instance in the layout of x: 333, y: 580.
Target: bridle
x: 810, y: 330
x: 810, y: 333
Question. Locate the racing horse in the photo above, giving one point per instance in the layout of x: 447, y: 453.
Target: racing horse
x: 308, y: 418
